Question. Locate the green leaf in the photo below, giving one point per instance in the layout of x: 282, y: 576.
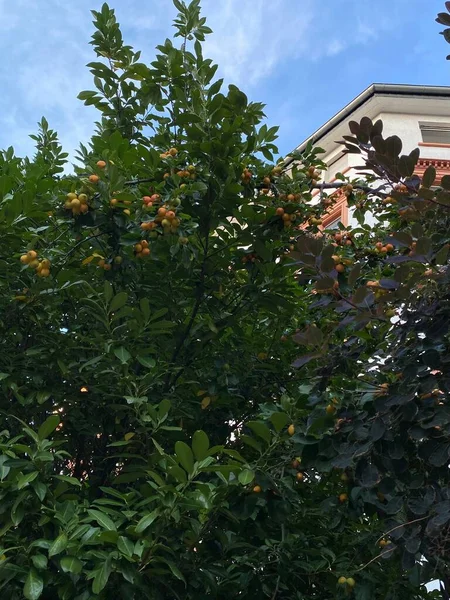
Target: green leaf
x: 185, y: 456
x: 246, y: 476
x: 48, y: 426
x: 101, y: 577
x: 146, y: 361
x: 279, y: 420
x: 71, y: 564
x: 34, y: 585
x: 4, y: 470
x: 59, y: 545
x: 118, y: 301
x: 260, y: 429
x: 125, y: 546
x: 200, y: 445
x: 102, y: 519
x: 24, y: 480
x: 40, y: 561
x: 146, y: 521
x: 69, y: 480
x: 122, y: 354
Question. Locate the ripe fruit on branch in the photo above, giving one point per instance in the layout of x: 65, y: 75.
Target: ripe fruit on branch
x: 291, y: 430
x: 257, y: 489
x: 94, y: 178
x: 101, y: 164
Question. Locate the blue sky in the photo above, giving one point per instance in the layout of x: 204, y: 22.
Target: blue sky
x: 305, y: 59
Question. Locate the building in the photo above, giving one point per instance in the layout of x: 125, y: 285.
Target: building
x: 419, y: 115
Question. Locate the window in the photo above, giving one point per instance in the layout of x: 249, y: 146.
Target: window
x: 435, y: 133
x: 334, y: 224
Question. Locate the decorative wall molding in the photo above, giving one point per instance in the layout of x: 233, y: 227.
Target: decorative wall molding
x: 441, y: 165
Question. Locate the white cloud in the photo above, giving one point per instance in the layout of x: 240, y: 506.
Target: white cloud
x: 252, y: 37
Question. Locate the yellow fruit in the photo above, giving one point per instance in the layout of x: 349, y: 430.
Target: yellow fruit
x: 127, y: 212
x: 299, y: 476
x: 165, y: 223
x: 330, y: 409
x: 118, y: 260
x: 173, y: 152
x: 32, y: 254
x: 33, y: 264
x: 343, y: 497
x: 44, y: 272
x: 75, y: 203
x: 342, y: 580
x: 344, y: 477
x: 71, y: 196
x: 351, y: 582
x: 83, y: 198
x: 114, y: 202
x: 67, y: 204
x: 291, y: 430
x: 101, y: 263
x: 257, y: 489
x: 25, y: 259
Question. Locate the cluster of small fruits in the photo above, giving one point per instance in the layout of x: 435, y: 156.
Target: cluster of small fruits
x: 116, y: 203
x: 246, y: 176
x: 382, y: 248
x: 252, y: 257
x: 77, y: 203
x: 141, y: 249
x: 286, y: 217
x: 106, y: 265
x: 42, y: 267
x: 165, y: 217
x: 347, y: 581
x: 342, y: 238
x: 340, y: 262
x: 169, y: 154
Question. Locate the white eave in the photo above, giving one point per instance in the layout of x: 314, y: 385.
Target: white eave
x: 388, y: 96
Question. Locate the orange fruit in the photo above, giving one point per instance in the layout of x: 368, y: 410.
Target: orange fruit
x: 25, y: 259
x: 101, y: 164
x: 340, y: 268
x: 280, y: 211
x: 343, y: 497
x: 257, y: 489
x: 299, y: 476
x: 44, y: 272
x: 94, y: 178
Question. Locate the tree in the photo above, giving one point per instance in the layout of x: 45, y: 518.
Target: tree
x: 163, y: 435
